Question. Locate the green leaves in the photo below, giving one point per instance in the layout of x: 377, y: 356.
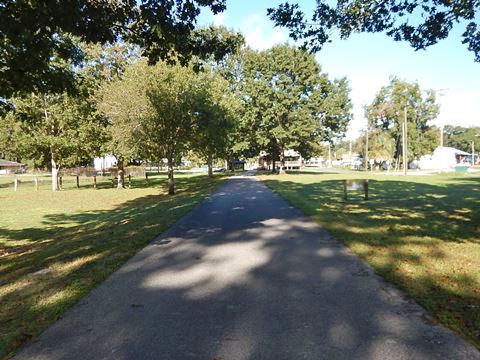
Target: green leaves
x: 61, y: 126
x: 40, y: 39
x: 421, y: 23
x: 288, y: 103
x: 387, y: 113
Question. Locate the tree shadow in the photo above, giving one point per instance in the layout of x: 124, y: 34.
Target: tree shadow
x: 246, y: 276
x: 71, y: 253
x: 423, y: 237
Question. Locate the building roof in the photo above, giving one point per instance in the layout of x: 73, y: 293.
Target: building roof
x: 450, y: 150
x: 9, y: 163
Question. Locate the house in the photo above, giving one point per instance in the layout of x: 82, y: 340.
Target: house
x: 293, y: 160
x: 444, y: 158
x: 104, y: 163
x: 10, y: 167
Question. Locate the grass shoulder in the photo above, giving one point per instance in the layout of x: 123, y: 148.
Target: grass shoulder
x: 420, y: 232
x: 56, y: 247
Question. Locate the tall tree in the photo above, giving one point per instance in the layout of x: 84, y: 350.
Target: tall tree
x: 387, y: 113
x: 151, y: 109
x: 214, y: 109
x: 289, y: 103
x: 421, y: 23
x: 57, y: 130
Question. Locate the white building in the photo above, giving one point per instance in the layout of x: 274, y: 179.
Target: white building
x: 443, y: 158
x: 105, y: 162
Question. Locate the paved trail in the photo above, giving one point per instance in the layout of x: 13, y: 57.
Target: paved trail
x: 246, y: 276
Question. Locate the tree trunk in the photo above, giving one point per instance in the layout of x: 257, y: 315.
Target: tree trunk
x: 273, y: 166
x: 210, y: 165
x: 282, y: 162
x: 121, y: 174
x: 171, y: 184
x: 55, y: 184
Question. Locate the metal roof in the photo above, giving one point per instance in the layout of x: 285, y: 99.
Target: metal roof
x: 9, y: 163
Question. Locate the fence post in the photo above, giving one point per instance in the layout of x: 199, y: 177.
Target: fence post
x: 365, y: 187
x: 36, y: 183
x: 15, y: 183
x: 78, y: 181
x: 146, y: 175
x: 61, y: 182
x: 94, y: 181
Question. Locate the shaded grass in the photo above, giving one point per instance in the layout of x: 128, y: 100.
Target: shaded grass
x: 55, y: 247
x: 420, y: 232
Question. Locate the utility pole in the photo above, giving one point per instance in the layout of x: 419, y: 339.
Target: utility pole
x: 366, y: 149
x: 473, y: 153
x: 404, y: 133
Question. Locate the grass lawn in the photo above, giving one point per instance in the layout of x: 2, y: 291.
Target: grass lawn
x: 420, y: 232
x: 56, y: 247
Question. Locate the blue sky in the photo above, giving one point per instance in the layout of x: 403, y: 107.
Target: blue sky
x: 368, y: 60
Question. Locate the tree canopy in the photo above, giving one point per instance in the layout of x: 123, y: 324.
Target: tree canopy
x: 40, y: 39
x: 461, y: 137
x: 162, y: 111
x: 54, y: 130
x: 420, y: 23
x: 288, y: 103
x: 387, y: 113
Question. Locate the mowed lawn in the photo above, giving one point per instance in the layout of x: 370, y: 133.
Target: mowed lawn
x: 420, y: 232
x: 55, y: 247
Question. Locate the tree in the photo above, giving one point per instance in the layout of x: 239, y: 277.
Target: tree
x: 289, y: 104
x: 381, y: 145
x: 387, y: 114
x: 214, y: 109
x: 32, y: 33
x: 151, y: 109
x: 12, y: 138
x: 421, y: 23
x: 461, y: 137
x: 57, y: 130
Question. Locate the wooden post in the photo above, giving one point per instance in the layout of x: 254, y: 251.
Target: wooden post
x: 94, y: 181
x: 146, y: 176
x: 78, y: 181
x: 365, y: 187
x: 61, y: 182
x: 345, y: 190
x: 15, y: 183
x: 36, y: 183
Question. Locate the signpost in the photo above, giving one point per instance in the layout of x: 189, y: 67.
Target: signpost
x: 355, y: 185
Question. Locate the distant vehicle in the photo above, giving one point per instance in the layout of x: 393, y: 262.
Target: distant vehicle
x: 414, y: 165
x: 356, y: 162
x: 218, y: 169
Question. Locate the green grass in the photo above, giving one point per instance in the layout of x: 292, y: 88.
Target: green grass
x: 56, y: 247
x: 420, y: 232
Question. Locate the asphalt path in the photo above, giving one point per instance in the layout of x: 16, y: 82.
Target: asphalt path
x: 246, y: 276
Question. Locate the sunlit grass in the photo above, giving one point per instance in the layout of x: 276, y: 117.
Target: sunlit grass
x: 55, y: 247
x: 420, y: 232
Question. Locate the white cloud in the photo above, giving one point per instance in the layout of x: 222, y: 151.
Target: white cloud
x: 259, y: 33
